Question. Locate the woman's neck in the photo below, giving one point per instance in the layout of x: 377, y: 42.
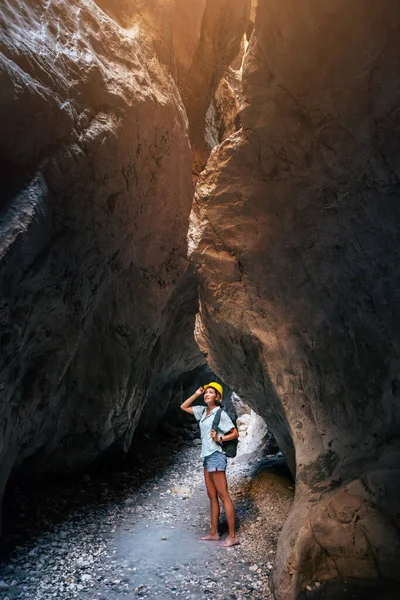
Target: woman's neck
x: 211, y: 407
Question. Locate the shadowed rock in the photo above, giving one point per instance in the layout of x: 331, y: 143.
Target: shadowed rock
x: 97, y: 301
x: 93, y: 127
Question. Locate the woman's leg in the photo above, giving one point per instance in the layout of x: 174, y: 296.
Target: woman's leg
x: 214, y: 506
x: 221, y: 485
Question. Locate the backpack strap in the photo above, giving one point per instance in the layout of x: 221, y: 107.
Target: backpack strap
x: 217, y: 419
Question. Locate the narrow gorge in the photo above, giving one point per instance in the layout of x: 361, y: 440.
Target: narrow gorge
x: 209, y: 188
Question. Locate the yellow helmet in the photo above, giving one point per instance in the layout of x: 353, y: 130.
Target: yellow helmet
x: 216, y: 387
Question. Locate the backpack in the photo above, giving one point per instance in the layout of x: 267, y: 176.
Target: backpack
x: 230, y: 447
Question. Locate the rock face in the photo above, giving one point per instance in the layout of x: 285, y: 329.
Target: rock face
x: 96, y: 162
x: 97, y: 300
x: 207, y: 37
x: 255, y: 439
x: 294, y: 233
x: 222, y: 116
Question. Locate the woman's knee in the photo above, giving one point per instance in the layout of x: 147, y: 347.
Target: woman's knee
x: 224, y: 495
x: 212, y: 494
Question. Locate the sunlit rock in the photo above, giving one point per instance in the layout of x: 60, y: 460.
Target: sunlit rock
x: 294, y: 234
x: 207, y: 37
x: 222, y: 116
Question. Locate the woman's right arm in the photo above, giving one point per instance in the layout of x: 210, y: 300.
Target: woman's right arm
x: 186, y: 405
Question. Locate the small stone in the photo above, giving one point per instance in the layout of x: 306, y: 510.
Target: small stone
x: 9, y: 569
x: 181, y: 490
x: 253, y: 568
x: 309, y: 588
x: 3, y: 586
x: 164, y: 537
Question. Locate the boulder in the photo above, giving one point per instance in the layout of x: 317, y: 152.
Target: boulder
x: 255, y: 439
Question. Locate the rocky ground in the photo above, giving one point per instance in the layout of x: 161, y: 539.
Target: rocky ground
x: 135, y: 533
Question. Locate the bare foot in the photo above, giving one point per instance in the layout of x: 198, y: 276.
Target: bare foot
x: 228, y: 542
x: 210, y: 537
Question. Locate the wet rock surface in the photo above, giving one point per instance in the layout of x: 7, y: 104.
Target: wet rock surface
x: 135, y: 533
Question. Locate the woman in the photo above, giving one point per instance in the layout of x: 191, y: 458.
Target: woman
x: 214, y: 457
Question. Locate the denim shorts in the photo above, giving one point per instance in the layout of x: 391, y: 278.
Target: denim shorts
x: 215, y: 462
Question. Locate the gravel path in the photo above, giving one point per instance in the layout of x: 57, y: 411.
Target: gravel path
x: 135, y: 534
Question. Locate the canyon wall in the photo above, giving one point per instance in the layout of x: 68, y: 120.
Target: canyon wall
x: 97, y: 301
x: 295, y: 236
x: 212, y: 31
x: 94, y: 136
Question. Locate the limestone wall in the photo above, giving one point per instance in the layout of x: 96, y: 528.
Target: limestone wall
x: 295, y: 235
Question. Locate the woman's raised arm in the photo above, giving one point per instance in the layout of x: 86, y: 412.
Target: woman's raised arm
x: 186, y: 405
